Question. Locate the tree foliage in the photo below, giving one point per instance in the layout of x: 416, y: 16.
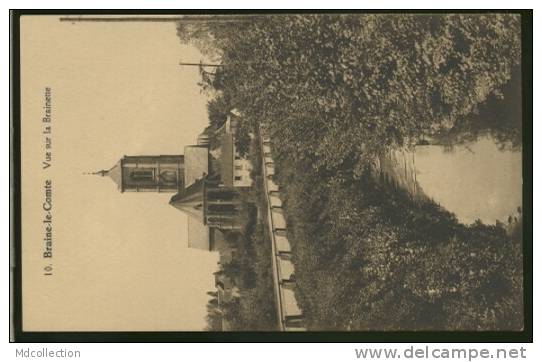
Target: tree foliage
x: 368, y: 257
x: 335, y: 91
x: 250, y: 268
x: 368, y: 80
x: 218, y: 109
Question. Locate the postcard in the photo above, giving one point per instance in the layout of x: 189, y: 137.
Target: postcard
x: 331, y: 172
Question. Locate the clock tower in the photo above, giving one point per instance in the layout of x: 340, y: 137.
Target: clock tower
x: 163, y: 173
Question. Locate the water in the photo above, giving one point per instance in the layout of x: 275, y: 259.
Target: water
x: 478, y: 181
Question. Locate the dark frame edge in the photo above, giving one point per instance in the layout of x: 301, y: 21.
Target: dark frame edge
x: 16, y: 326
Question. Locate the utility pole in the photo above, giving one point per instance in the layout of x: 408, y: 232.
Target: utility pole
x: 190, y: 19
x: 201, y: 64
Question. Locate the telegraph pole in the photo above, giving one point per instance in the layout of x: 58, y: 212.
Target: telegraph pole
x: 194, y: 19
x: 201, y: 64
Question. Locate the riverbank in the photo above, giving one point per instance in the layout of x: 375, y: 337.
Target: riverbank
x: 368, y: 257
x: 476, y: 181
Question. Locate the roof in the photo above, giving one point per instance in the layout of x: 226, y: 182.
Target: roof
x: 115, y: 173
x: 146, y: 159
x: 226, y: 159
x: 196, y: 163
x: 191, y: 201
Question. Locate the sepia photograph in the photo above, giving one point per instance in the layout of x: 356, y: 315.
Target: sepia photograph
x: 363, y: 172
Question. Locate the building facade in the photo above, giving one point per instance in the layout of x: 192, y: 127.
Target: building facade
x: 162, y: 173
x: 211, y: 205
x: 206, y: 187
x: 211, y: 202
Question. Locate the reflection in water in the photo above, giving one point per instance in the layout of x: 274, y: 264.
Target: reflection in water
x: 477, y: 181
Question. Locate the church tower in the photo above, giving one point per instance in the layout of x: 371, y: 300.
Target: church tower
x: 164, y: 173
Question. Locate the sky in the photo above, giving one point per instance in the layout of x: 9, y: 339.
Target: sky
x: 121, y: 260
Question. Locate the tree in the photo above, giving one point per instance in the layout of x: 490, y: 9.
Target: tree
x: 335, y: 92
x: 371, y: 81
x: 198, y: 34
x: 232, y: 269
x: 218, y: 109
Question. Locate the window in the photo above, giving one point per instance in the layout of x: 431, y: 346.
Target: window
x: 168, y: 176
x: 142, y: 175
x: 238, y: 178
x: 238, y: 167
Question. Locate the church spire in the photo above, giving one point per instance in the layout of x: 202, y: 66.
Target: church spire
x: 101, y: 173
x: 115, y: 173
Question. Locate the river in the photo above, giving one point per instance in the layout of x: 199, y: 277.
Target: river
x: 476, y: 181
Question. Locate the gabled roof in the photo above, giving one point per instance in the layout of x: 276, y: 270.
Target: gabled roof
x: 190, y: 200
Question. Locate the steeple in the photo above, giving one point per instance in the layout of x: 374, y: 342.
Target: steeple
x: 101, y: 173
x: 161, y: 173
x: 115, y: 173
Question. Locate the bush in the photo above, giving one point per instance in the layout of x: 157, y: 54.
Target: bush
x: 368, y: 257
x: 255, y: 309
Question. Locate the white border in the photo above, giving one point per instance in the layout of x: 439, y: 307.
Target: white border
x: 250, y: 352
